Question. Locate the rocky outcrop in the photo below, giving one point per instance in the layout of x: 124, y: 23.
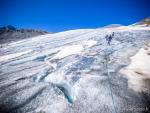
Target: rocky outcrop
x: 143, y: 23
x: 10, y: 34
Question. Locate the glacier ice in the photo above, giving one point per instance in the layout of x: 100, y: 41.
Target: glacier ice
x: 64, y: 72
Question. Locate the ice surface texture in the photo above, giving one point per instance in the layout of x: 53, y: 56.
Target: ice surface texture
x: 65, y: 72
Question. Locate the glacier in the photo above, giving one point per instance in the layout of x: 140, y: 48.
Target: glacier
x: 66, y: 72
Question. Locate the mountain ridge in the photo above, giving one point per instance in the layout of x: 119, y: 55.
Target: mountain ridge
x: 143, y: 23
x: 10, y: 33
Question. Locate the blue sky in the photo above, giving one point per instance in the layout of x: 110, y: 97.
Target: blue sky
x: 60, y: 15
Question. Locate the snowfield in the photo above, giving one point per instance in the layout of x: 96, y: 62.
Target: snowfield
x: 138, y: 72
x: 77, y: 72
x: 69, y: 50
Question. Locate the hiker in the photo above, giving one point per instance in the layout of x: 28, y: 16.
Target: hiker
x: 109, y: 38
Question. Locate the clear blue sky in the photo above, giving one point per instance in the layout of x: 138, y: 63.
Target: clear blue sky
x: 60, y: 15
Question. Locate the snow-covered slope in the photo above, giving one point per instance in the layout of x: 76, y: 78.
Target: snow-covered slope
x: 72, y: 72
x: 138, y: 72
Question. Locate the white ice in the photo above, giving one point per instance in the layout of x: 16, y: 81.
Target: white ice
x: 91, y: 43
x: 69, y: 50
x: 10, y: 56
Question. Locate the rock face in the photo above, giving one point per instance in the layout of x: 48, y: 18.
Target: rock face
x: 144, y: 22
x: 9, y: 34
x: 75, y: 72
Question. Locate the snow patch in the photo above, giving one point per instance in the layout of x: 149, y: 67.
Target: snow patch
x: 91, y: 43
x: 56, y: 77
x: 69, y: 50
x: 138, y: 71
